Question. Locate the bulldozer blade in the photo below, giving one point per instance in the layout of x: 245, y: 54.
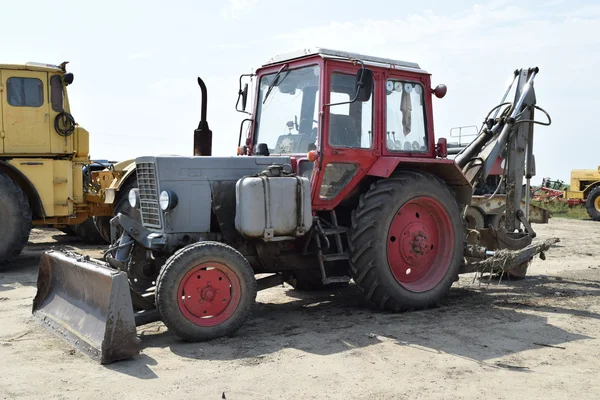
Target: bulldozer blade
x: 88, y: 304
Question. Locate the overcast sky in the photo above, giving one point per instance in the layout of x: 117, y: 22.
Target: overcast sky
x: 136, y: 62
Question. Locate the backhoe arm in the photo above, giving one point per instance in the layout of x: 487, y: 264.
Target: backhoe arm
x: 507, y: 134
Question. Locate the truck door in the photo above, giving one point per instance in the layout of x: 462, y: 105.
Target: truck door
x: 25, y: 109
x: 349, y: 145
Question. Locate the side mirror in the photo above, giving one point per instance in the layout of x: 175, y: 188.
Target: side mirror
x: 244, y: 95
x: 364, y: 84
x: 440, y: 91
x: 68, y: 78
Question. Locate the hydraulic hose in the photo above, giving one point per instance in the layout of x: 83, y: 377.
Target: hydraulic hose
x: 68, y: 124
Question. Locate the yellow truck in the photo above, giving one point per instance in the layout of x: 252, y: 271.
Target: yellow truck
x: 45, y: 174
x: 585, y: 189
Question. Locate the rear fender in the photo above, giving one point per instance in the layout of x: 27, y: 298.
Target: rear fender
x: 35, y: 202
x: 445, y: 169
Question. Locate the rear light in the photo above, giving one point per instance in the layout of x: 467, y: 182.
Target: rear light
x: 441, y: 148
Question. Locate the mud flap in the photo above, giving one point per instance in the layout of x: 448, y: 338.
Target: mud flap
x: 88, y: 304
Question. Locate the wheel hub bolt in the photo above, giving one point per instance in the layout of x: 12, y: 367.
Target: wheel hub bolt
x: 208, y: 293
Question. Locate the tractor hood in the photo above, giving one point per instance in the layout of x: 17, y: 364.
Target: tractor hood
x: 192, y: 189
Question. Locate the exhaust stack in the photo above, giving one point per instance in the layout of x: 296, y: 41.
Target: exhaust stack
x: 203, y: 134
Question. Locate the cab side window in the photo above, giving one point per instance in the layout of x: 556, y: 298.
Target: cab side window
x: 56, y: 93
x: 25, y: 92
x: 350, y: 125
x: 405, y: 116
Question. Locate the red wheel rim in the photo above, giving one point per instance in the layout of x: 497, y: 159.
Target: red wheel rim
x: 209, y: 294
x: 420, y: 244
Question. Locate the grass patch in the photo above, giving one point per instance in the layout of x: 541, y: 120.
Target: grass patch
x: 562, y: 210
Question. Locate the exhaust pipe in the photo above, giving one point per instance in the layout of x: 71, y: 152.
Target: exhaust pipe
x: 203, y: 134
x: 88, y: 304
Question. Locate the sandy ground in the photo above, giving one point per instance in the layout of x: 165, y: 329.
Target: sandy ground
x: 536, y: 338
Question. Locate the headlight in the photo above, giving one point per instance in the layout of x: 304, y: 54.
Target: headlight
x: 134, y: 198
x: 167, y: 200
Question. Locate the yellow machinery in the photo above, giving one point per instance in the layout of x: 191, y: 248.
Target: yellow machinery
x: 585, y: 188
x: 45, y: 174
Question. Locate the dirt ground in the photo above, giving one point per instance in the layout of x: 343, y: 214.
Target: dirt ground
x: 536, y: 338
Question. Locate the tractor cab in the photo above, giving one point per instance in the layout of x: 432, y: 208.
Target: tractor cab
x: 339, y: 113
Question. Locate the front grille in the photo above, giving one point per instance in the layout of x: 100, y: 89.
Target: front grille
x: 146, y: 177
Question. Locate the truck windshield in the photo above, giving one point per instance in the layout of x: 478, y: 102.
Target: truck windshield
x: 287, y: 121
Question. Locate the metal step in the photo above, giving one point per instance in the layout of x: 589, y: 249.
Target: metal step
x: 336, y: 279
x: 335, y: 257
x: 335, y: 231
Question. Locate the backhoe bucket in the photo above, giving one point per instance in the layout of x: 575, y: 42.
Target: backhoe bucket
x: 87, y: 304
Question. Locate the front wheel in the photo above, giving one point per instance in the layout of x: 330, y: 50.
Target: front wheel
x: 406, y: 241
x: 592, y: 204
x: 15, y: 220
x: 205, y: 290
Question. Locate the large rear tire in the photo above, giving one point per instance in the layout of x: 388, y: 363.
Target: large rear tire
x: 15, y: 220
x: 406, y: 241
x: 205, y: 290
x: 592, y: 204
x: 121, y: 206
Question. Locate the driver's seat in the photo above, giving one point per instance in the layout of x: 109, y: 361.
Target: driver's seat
x: 343, y: 131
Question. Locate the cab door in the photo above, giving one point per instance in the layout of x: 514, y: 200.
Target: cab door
x: 349, y: 145
x: 25, y: 109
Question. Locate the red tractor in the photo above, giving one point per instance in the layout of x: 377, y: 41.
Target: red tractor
x: 340, y: 178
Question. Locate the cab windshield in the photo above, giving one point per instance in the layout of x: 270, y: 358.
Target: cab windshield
x: 286, y: 120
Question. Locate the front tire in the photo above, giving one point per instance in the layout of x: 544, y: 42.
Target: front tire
x: 15, y: 220
x: 406, y: 241
x: 592, y: 204
x: 205, y: 290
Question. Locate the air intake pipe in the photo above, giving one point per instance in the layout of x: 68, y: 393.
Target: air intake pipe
x: 203, y: 134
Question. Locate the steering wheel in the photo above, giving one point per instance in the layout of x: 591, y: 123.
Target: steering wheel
x: 306, y: 119
x: 312, y: 133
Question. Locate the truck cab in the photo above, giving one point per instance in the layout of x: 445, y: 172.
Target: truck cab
x: 33, y: 107
x: 39, y: 140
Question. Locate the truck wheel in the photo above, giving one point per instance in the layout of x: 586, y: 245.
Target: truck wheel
x: 474, y: 218
x: 205, y: 290
x: 15, y: 220
x: 592, y: 204
x: 88, y: 232
x: 121, y: 206
x: 406, y: 241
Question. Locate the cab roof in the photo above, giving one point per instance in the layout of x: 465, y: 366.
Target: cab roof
x: 34, y: 66
x: 344, y: 56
